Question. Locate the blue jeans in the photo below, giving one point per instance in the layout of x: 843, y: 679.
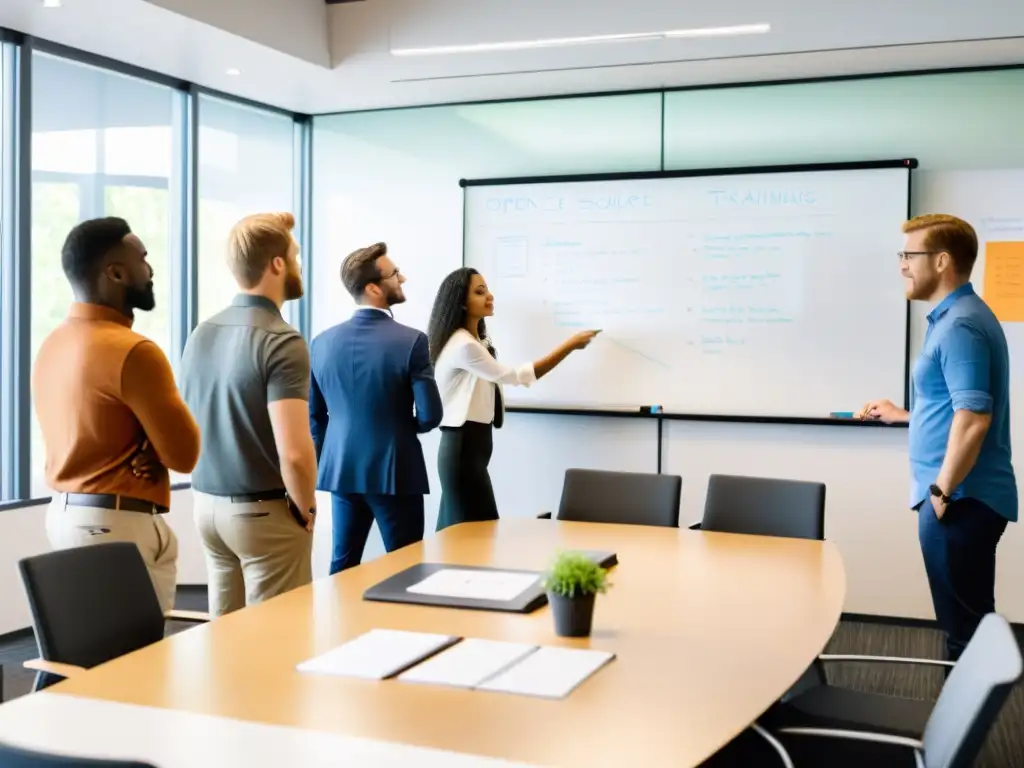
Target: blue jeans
x: 960, y: 558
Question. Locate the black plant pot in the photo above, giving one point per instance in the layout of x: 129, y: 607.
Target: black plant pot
x: 574, y: 616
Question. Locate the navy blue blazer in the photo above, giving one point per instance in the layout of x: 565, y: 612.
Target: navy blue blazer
x: 368, y: 373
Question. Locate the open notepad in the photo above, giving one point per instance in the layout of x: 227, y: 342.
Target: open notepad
x: 492, y: 665
x: 549, y: 672
x: 468, y: 664
x: 486, y: 665
x: 378, y: 654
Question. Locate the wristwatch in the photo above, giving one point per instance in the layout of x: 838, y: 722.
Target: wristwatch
x: 937, y: 493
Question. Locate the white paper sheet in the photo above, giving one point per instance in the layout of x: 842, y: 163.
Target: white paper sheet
x: 377, y: 654
x: 478, y: 585
x: 468, y: 664
x: 549, y: 672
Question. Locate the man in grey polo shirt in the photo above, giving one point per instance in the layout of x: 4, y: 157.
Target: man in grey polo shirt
x: 245, y: 377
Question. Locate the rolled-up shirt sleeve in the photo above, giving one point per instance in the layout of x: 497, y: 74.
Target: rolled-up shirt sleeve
x: 473, y: 356
x: 966, y: 366
x: 148, y: 388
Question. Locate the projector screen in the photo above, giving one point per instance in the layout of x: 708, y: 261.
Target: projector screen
x: 766, y: 294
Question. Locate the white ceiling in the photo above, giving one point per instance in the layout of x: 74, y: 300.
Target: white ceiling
x: 308, y: 57
x: 295, y: 27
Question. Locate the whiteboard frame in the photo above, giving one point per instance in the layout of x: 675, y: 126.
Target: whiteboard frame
x: 644, y: 412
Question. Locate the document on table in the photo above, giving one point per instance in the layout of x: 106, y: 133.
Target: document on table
x: 549, y: 672
x: 501, y: 586
x: 469, y: 663
x: 378, y: 654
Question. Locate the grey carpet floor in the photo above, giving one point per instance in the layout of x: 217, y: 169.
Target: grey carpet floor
x: 1005, y: 745
x: 1003, y: 749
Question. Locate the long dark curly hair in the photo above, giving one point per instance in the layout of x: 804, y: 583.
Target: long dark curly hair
x: 449, y: 312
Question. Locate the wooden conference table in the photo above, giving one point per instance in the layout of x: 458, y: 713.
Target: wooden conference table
x: 709, y: 629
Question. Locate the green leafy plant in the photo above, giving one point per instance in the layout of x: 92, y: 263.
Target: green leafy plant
x: 575, y: 575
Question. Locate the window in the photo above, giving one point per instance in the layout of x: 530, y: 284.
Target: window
x: 102, y: 145
x: 7, y: 251
x: 246, y: 165
x: 823, y: 122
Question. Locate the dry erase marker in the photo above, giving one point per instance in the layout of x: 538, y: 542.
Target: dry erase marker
x: 841, y: 414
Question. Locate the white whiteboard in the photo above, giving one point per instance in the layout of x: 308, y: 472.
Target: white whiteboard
x: 769, y: 294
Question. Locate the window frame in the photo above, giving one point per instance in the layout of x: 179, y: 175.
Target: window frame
x: 16, y: 178
x: 223, y: 181
x: 15, y: 340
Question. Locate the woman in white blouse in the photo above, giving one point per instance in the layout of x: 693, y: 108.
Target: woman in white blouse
x: 470, y: 379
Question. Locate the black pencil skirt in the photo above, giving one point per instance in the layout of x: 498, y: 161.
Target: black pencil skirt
x: 462, y: 459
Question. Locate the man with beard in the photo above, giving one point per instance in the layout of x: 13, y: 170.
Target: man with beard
x: 373, y: 392
x: 962, y: 479
x: 112, y: 421
x: 245, y: 375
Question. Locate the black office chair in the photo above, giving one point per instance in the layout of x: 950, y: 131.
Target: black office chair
x: 764, y: 506
x: 636, y: 498
x: 797, y: 509
x: 90, y: 605
x: 955, y: 731
x: 815, y: 702
x: 15, y: 757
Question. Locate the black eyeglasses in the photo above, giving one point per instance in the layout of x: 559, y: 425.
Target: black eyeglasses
x: 388, y: 276
x: 908, y: 255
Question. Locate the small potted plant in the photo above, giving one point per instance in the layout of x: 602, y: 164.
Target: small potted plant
x: 571, y: 585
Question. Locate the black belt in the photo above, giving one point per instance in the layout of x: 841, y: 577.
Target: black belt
x: 113, y: 501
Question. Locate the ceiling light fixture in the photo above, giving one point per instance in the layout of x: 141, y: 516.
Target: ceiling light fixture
x: 51, y: 3
x: 233, y: 71
x: 555, y: 42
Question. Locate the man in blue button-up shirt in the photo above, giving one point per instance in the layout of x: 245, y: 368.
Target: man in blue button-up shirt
x: 962, y: 480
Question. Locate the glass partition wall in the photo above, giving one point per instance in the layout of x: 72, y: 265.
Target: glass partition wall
x: 84, y: 137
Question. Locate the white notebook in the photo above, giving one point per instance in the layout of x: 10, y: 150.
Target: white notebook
x: 378, y: 654
x: 468, y: 664
x: 549, y: 672
x: 501, y: 586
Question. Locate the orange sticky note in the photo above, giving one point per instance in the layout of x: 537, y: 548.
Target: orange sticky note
x: 1003, y: 288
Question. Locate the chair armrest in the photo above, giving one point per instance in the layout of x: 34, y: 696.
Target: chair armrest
x: 197, y: 616
x: 837, y: 733
x: 694, y: 526
x: 784, y: 757
x: 53, y: 667
x: 544, y: 516
x: 884, y: 659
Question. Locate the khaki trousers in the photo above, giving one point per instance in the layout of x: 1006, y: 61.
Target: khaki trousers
x: 254, y: 551
x: 68, y: 526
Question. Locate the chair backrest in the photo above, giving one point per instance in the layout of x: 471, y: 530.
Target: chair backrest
x: 15, y: 757
x: 765, y: 506
x: 91, y: 604
x: 595, y: 496
x: 973, y: 695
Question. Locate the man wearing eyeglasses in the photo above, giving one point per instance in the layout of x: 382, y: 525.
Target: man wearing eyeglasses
x: 372, y: 394
x: 962, y: 480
